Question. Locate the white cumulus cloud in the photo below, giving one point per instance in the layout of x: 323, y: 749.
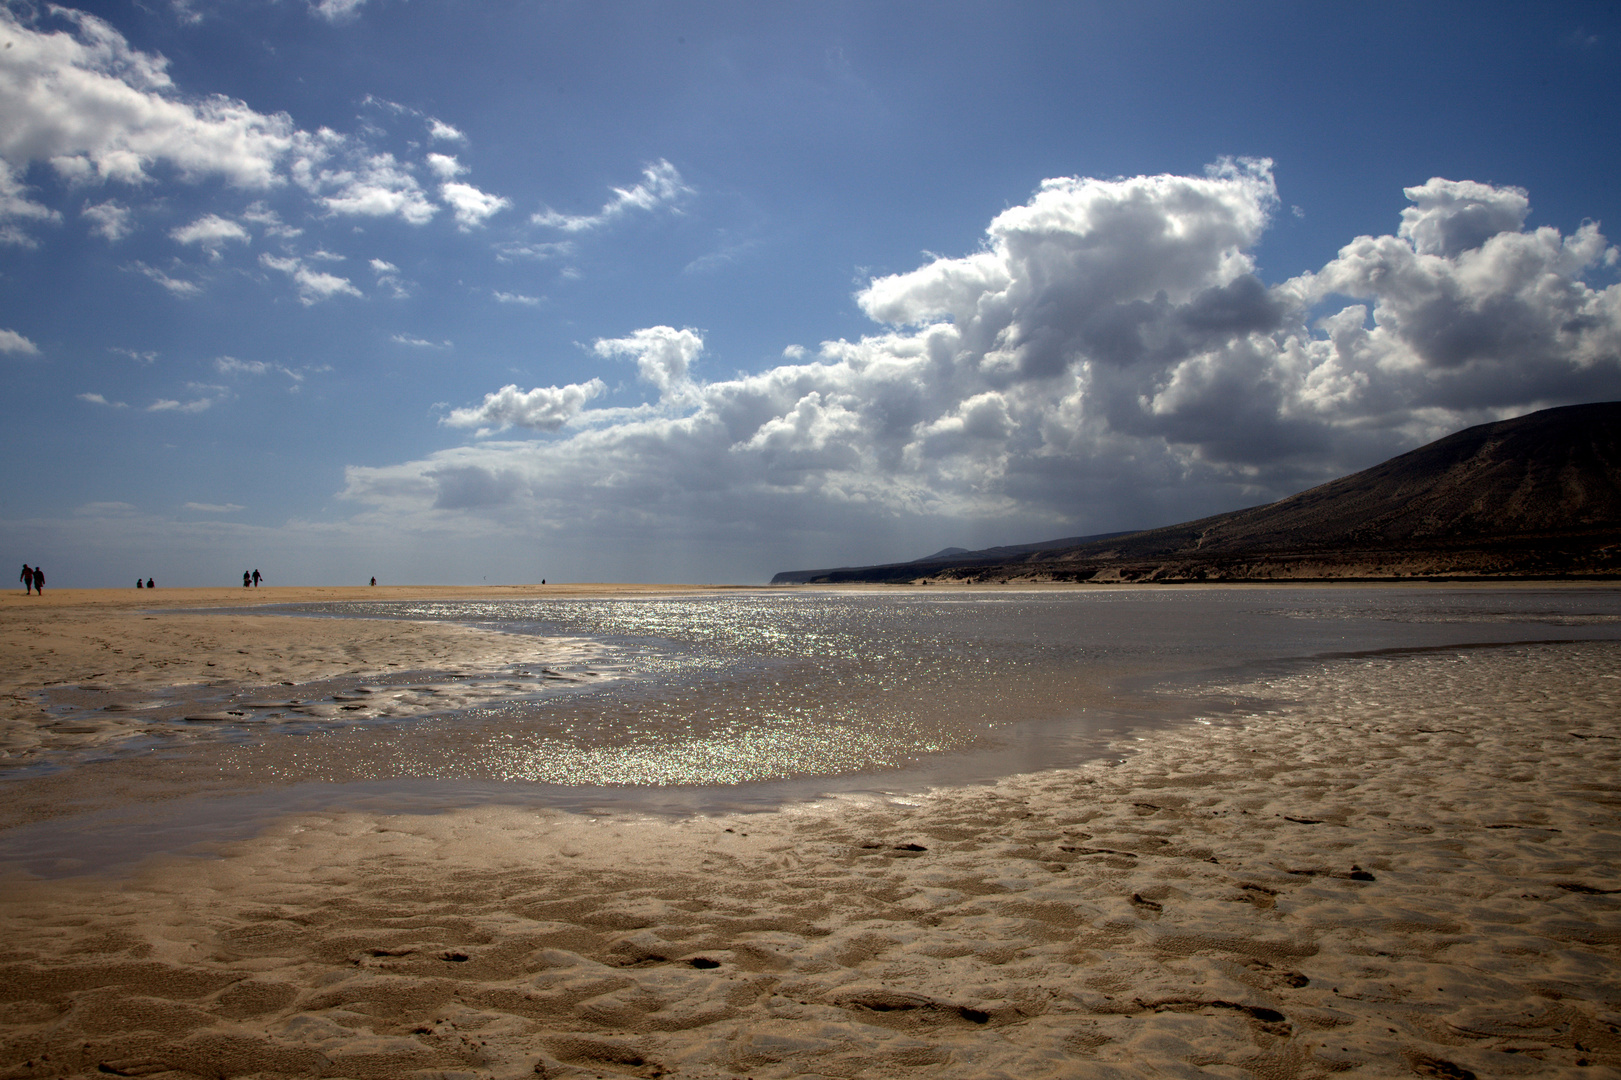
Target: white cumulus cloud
x: 439, y: 131
x: 17, y: 345
x: 337, y: 11
x: 445, y: 166
x: 77, y: 96
x: 110, y: 220
x: 80, y: 98
x: 210, y: 232
x: 365, y: 184
x: 663, y: 355
x: 1108, y: 358
x: 545, y: 408
x: 472, y: 206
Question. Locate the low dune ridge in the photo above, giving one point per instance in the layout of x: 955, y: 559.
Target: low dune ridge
x: 1405, y: 865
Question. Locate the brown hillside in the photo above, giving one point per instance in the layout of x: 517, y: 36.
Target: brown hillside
x: 1539, y: 495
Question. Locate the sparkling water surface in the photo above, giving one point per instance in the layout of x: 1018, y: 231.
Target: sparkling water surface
x: 742, y: 700
x: 751, y: 687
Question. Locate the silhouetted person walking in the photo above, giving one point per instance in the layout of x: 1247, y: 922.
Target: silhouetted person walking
x: 39, y: 582
x: 27, y: 579
x: 247, y: 579
x: 256, y: 579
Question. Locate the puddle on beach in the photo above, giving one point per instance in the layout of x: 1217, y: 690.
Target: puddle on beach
x: 711, y: 703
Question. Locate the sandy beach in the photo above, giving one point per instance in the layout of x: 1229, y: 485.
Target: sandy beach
x: 1405, y: 864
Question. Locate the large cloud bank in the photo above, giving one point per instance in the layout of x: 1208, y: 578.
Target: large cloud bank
x: 1109, y: 358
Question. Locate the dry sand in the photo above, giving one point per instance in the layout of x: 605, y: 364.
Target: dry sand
x: 1409, y: 866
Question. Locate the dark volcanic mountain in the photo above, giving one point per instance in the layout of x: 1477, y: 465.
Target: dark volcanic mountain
x: 1539, y: 495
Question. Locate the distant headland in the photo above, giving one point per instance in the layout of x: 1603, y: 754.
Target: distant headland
x: 1538, y: 496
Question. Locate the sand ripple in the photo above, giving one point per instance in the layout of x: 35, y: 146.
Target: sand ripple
x: 1409, y: 866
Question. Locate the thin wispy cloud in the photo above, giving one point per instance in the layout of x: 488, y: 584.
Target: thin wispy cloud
x: 508, y: 250
x: 195, y: 405
x: 178, y: 287
x: 313, y: 285
x: 230, y: 365
x: 210, y: 232
x: 269, y: 221
x: 660, y: 187
x: 389, y: 279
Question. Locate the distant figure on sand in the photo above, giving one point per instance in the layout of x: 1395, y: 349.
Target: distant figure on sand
x: 149, y: 584
x: 374, y: 581
x: 256, y: 579
x: 139, y: 584
x: 28, y: 579
x: 247, y: 579
x: 39, y: 582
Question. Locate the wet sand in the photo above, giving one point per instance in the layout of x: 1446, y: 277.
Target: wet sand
x: 1408, y: 865
x: 111, y: 638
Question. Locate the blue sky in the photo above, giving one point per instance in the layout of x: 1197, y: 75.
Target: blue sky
x: 447, y: 292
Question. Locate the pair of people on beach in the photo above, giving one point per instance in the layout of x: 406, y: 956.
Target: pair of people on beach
x: 34, y: 576
x: 148, y: 585
x: 250, y: 579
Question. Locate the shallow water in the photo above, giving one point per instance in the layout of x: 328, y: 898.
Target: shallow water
x: 739, y: 689
x: 742, y: 701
